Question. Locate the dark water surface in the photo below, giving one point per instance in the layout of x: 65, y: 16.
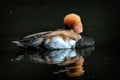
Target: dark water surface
x: 20, y: 18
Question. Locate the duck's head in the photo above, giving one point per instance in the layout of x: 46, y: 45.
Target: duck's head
x: 73, y: 21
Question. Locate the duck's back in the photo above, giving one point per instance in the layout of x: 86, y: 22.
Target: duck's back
x: 61, y: 39
x: 27, y: 41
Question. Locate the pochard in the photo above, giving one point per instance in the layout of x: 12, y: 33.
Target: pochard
x: 71, y: 37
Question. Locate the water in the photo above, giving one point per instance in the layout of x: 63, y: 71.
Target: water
x: 21, y: 18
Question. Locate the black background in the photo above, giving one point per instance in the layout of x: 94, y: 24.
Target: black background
x: 100, y: 19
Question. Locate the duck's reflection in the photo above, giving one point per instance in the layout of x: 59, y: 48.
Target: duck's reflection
x: 75, y: 68
x: 60, y: 57
x: 71, y: 59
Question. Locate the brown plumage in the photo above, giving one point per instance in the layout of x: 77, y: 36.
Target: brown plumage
x: 64, y: 34
x: 71, y: 20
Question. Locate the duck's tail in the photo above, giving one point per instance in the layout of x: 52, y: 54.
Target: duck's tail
x: 17, y: 43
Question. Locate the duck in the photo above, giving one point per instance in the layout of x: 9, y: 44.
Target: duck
x: 70, y: 37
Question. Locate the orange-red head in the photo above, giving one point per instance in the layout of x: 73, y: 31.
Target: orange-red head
x: 73, y: 21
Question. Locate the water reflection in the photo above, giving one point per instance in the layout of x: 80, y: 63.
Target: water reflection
x: 72, y: 60
x: 75, y: 68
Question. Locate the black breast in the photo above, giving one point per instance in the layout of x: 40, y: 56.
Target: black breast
x: 85, y: 41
